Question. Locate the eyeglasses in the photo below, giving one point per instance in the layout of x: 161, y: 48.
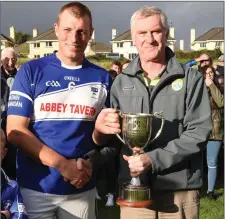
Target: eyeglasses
x: 207, y: 60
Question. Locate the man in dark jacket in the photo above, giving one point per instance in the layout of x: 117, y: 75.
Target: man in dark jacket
x: 153, y: 82
x: 8, y: 73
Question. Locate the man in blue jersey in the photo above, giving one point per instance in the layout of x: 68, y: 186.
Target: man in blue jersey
x: 51, y: 115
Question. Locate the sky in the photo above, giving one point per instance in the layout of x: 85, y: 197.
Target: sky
x: 202, y: 16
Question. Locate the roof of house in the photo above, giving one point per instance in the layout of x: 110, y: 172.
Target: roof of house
x: 3, y: 37
x: 99, y: 47
x: 47, y: 35
x: 127, y: 36
x: 216, y: 33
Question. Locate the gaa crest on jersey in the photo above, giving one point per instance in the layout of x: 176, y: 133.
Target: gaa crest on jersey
x: 94, y: 92
x: 177, y: 84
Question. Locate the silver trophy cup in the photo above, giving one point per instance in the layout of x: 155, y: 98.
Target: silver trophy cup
x: 136, y: 133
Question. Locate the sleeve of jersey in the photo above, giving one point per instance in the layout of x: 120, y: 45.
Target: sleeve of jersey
x: 21, y: 99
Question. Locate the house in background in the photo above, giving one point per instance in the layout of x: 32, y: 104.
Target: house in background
x: 124, y: 46
x: 212, y: 39
x: 8, y: 41
x: 45, y: 43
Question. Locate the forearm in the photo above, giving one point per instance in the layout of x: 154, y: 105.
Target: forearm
x: 216, y: 95
x: 99, y: 138
x: 33, y: 147
x: 191, y: 63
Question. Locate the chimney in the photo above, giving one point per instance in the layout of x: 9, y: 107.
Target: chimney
x: 172, y: 31
x: 93, y: 35
x: 192, y: 36
x: 182, y: 45
x: 114, y: 33
x: 35, y: 32
x: 12, y: 32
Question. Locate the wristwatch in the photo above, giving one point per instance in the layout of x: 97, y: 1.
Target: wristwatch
x: 3, y: 216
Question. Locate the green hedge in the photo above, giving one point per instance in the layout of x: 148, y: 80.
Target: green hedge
x: 214, y: 54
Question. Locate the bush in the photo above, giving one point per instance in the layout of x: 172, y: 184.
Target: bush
x: 214, y: 54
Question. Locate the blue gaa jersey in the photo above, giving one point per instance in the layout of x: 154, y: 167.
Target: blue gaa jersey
x: 62, y: 103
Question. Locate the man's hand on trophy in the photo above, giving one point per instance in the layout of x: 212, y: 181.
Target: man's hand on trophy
x: 138, y: 164
x: 108, y: 122
x: 70, y: 171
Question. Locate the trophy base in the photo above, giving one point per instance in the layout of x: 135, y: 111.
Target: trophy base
x: 134, y: 196
x: 138, y: 204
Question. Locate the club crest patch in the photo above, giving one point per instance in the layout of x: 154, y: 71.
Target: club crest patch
x: 177, y: 84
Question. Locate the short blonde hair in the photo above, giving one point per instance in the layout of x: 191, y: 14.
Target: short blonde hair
x: 147, y: 11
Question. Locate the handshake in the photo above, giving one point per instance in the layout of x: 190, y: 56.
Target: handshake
x: 77, y: 172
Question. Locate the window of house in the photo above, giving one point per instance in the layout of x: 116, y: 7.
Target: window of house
x: 132, y: 55
x: 121, y: 55
x: 218, y: 44
x: 119, y: 45
x: 36, y: 45
x: 203, y: 45
x: 48, y: 44
x: 131, y: 43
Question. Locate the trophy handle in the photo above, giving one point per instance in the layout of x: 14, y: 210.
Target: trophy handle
x: 117, y: 135
x: 159, y: 115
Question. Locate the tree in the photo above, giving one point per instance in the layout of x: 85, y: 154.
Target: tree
x: 21, y: 37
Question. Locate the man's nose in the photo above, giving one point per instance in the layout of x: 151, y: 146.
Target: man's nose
x: 74, y: 36
x: 149, y: 37
x: 10, y: 63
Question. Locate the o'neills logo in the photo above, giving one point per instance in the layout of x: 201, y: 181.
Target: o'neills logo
x: 68, y: 108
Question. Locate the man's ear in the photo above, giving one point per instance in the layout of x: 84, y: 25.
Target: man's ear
x: 91, y: 32
x: 132, y: 38
x: 56, y: 27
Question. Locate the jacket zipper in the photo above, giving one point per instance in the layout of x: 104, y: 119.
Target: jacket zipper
x: 149, y: 95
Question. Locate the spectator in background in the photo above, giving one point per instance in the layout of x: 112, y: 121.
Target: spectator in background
x: 112, y: 73
x: 125, y: 64
x: 202, y: 60
x: 8, y: 73
x: 116, y: 66
x: 12, y: 206
x: 216, y: 136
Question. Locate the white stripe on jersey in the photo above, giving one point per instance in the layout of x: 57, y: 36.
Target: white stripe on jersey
x: 82, y: 103
x: 21, y: 94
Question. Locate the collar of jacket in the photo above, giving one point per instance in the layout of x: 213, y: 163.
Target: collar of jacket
x: 173, y: 67
x: 6, y: 75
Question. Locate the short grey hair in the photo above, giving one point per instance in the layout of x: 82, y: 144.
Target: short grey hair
x: 7, y: 50
x: 147, y: 11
